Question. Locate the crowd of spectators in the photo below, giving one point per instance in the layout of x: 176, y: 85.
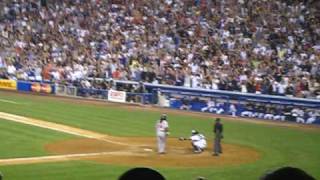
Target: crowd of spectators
x: 255, y: 46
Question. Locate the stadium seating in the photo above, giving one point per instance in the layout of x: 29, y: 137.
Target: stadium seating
x: 263, y: 47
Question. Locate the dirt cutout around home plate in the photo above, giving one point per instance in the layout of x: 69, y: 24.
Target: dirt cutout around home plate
x: 141, y: 151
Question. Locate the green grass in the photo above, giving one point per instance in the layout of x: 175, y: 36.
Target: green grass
x: 67, y: 171
x: 279, y: 146
x: 19, y: 140
x: 75, y: 170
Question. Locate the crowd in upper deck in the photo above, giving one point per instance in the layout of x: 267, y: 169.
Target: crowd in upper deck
x: 254, y: 46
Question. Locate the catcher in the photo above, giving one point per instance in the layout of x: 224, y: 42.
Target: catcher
x: 198, y: 141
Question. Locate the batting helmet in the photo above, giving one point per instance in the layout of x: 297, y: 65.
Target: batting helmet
x: 163, y: 117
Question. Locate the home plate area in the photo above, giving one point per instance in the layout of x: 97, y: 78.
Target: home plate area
x: 142, y: 152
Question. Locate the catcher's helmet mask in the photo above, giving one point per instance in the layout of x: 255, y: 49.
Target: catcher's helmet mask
x: 194, y: 132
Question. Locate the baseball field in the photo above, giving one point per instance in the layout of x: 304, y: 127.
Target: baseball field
x: 50, y: 138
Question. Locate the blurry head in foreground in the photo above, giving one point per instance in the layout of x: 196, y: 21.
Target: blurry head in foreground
x: 141, y: 174
x: 287, y: 173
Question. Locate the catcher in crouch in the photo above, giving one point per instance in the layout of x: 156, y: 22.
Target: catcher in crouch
x: 198, y: 141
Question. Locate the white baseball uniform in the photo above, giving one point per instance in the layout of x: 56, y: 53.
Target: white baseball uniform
x: 312, y: 117
x: 209, y: 107
x: 233, y: 110
x: 199, y: 141
x: 161, y: 130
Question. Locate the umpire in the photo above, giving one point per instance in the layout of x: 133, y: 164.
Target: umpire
x: 218, y: 130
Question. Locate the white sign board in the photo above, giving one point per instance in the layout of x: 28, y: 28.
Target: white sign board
x: 116, y: 96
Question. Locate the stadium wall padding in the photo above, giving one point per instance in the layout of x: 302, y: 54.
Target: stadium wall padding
x: 38, y: 87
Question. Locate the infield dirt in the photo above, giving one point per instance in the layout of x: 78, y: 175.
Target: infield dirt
x: 179, y: 153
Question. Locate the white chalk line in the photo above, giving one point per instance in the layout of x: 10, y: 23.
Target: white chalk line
x: 64, y: 129
x: 55, y: 158
x: 59, y: 128
x: 9, y: 101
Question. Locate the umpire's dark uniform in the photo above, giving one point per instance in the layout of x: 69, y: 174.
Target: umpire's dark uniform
x: 218, y: 130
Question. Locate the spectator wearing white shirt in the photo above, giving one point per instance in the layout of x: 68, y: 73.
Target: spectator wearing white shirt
x: 11, y: 69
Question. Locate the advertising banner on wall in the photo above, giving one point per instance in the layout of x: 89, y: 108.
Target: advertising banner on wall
x: 117, y: 96
x: 8, y: 84
x: 36, y: 87
x: 39, y: 87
